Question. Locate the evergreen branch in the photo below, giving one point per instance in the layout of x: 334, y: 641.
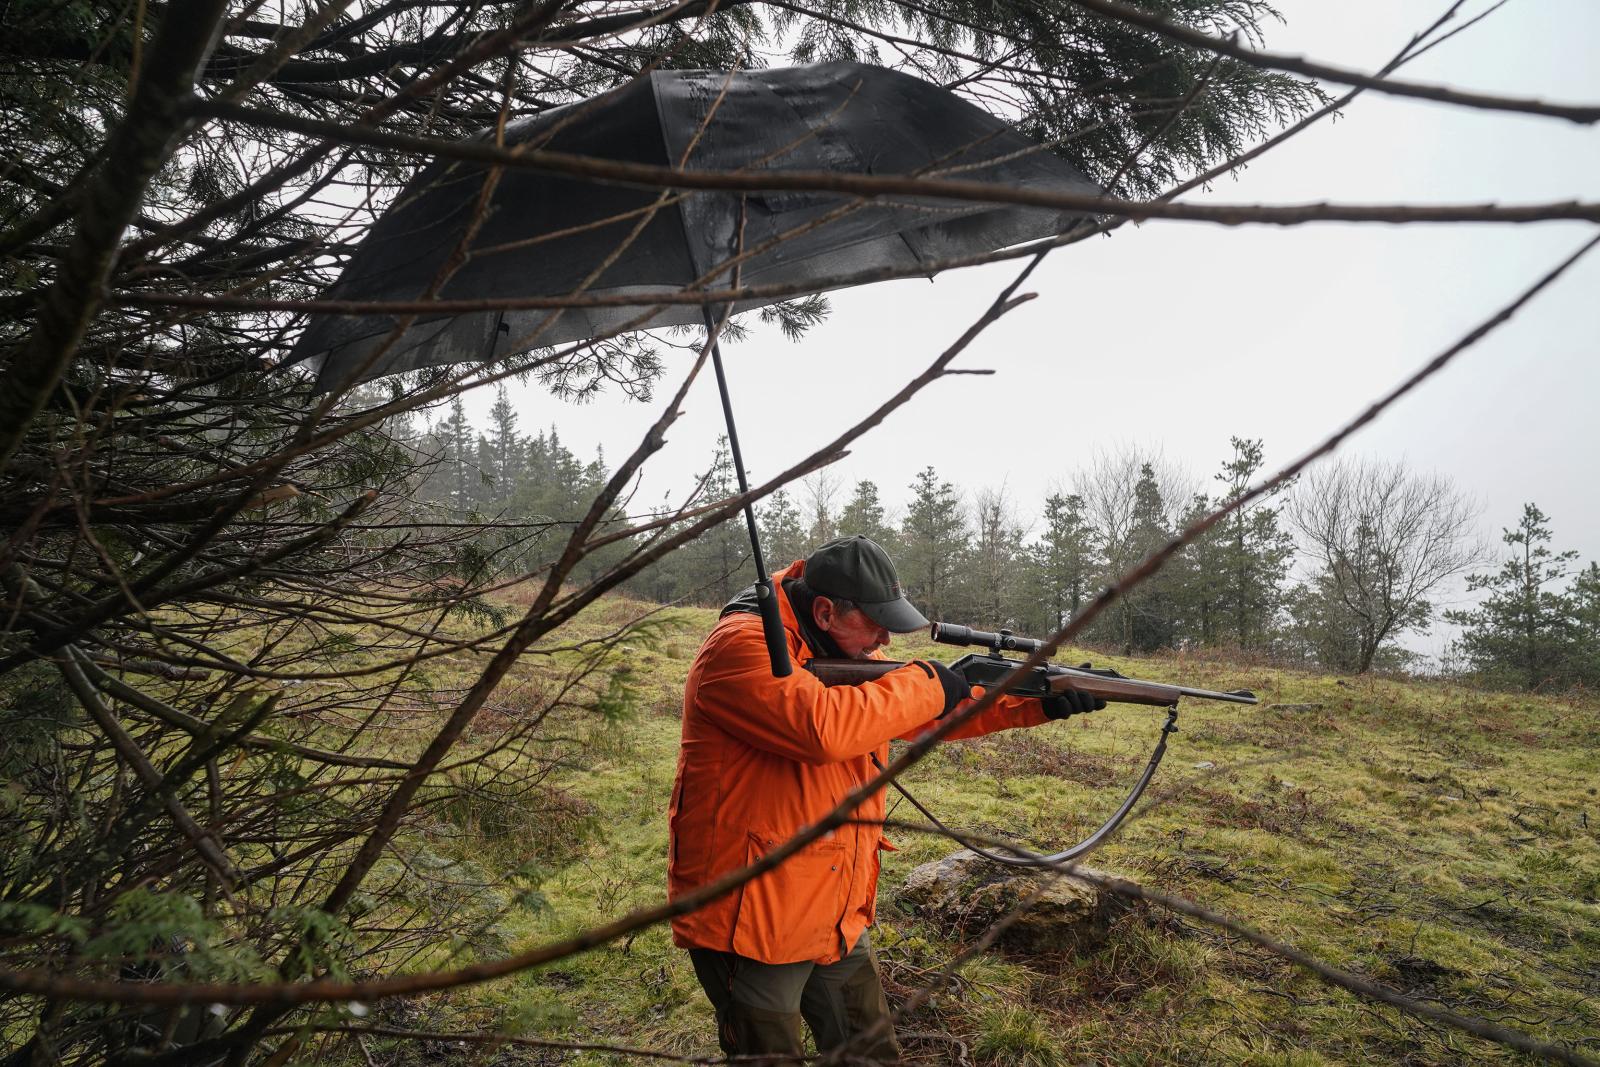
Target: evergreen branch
x: 137, y: 150
x: 50, y: 639
x: 199, y: 728
x: 160, y: 788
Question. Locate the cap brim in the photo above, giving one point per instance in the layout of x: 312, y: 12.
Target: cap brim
x: 896, y: 616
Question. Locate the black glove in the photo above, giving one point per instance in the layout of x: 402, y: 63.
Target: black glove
x: 956, y: 688
x: 1069, y: 702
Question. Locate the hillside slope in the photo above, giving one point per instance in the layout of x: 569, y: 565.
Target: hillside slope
x: 1442, y: 840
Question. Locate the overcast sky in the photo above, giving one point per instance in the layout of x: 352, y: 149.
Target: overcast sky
x: 1177, y: 335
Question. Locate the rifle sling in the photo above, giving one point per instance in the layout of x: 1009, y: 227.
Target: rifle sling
x: 1022, y: 857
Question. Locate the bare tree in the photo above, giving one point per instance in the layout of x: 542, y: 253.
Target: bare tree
x: 1382, y: 539
x: 822, y: 489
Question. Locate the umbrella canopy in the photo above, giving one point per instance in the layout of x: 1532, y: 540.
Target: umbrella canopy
x: 546, y: 235
x: 539, y: 234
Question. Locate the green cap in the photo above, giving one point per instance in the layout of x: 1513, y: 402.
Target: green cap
x: 857, y: 568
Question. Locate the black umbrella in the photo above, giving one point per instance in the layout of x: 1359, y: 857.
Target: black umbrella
x: 547, y: 235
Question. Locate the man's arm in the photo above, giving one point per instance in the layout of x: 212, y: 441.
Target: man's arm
x: 1009, y: 713
x: 798, y: 717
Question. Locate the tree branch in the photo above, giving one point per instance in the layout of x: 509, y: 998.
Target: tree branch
x: 654, y: 176
x: 1584, y: 114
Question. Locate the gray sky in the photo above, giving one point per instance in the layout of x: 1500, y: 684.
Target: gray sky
x: 1177, y: 335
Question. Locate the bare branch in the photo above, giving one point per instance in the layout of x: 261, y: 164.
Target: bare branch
x: 1584, y: 114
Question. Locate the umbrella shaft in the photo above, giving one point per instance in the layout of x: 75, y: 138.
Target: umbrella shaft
x: 733, y: 447
x: 766, y: 596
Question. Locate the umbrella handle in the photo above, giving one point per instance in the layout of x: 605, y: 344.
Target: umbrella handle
x: 772, y: 627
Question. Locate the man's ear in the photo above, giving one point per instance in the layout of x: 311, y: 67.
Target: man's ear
x: 823, y: 613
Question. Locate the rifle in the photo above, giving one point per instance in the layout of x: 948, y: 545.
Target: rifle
x: 988, y: 670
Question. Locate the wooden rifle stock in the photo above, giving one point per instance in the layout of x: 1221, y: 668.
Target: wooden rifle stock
x: 851, y: 671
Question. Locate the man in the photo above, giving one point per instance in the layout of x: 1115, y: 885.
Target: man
x: 762, y: 758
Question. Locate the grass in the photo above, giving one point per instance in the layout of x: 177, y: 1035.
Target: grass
x: 1441, y: 839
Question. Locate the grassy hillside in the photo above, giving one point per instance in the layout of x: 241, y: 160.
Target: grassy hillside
x: 1439, y: 839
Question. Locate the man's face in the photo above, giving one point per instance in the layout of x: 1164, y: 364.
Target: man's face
x: 856, y: 635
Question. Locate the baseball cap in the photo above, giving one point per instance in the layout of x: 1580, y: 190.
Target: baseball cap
x: 857, y: 568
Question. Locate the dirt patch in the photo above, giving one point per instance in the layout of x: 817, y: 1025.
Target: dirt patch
x: 1277, y: 808
x: 1418, y: 974
x: 1024, y: 752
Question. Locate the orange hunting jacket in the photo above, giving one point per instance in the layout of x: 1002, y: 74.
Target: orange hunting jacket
x: 762, y: 758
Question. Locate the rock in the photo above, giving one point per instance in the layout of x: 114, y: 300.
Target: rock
x: 965, y: 893
x: 1204, y: 765
x: 1294, y: 707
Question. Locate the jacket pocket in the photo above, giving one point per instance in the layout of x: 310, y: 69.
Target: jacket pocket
x: 674, y: 810
x: 791, y: 913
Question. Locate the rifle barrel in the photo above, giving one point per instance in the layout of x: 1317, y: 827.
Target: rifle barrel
x: 1234, y: 696
x: 1134, y: 691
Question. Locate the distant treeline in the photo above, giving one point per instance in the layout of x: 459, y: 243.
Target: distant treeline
x: 1332, y: 571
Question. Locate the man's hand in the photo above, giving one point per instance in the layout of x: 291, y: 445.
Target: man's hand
x: 956, y: 688
x: 1069, y: 702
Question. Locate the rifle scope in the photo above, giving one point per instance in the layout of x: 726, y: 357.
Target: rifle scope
x: 1004, y: 641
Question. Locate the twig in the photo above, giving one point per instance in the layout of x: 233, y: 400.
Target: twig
x: 1584, y: 114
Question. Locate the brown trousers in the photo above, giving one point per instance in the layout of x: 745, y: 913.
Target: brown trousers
x: 760, y: 1005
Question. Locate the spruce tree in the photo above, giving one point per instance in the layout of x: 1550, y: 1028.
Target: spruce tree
x: 1525, y: 631
x: 933, y: 544
x: 1199, y: 579
x: 1253, y: 551
x: 783, y: 539
x: 1126, y: 495
x: 461, y: 457
x: 1064, y: 559
x: 565, y: 478
x: 1148, y: 612
x: 994, y: 585
x: 504, y: 447
x: 713, y: 564
x: 863, y: 514
x: 485, y: 490
x: 1585, y: 598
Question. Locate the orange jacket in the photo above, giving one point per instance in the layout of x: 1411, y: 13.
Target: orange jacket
x: 764, y: 757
